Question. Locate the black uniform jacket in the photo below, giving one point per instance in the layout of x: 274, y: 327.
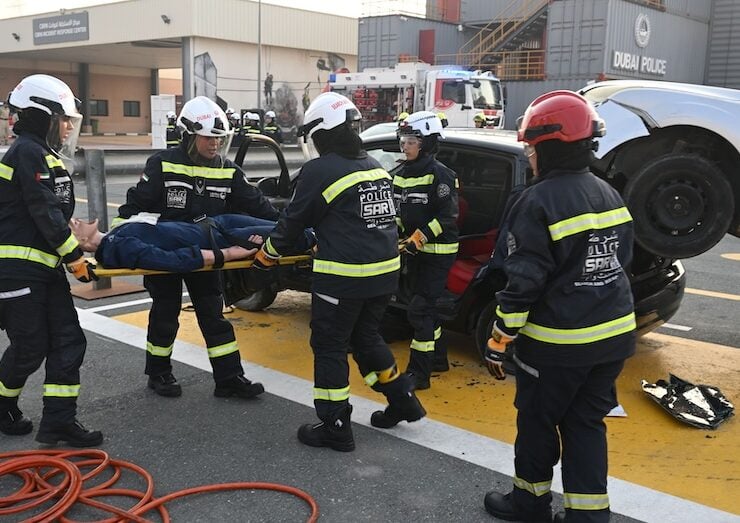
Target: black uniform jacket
x: 569, y: 240
x: 36, y: 203
x: 425, y: 192
x: 181, y: 191
x: 349, y: 203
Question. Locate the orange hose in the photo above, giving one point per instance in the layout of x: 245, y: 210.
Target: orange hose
x: 58, y: 474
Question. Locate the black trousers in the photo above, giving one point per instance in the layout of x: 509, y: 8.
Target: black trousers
x: 41, y: 322
x: 428, y: 274
x: 206, y: 295
x: 564, y: 407
x: 336, y: 325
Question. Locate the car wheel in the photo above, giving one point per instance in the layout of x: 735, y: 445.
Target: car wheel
x: 682, y: 205
x: 257, y: 301
x: 483, y: 328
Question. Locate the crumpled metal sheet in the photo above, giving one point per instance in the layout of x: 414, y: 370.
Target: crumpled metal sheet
x: 700, y: 406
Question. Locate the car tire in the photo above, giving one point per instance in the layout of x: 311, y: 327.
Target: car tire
x: 682, y: 205
x: 257, y: 301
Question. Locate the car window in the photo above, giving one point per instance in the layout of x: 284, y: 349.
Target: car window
x: 388, y: 159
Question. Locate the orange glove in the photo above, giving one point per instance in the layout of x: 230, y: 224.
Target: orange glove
x: 82, y: 270
x: 264, y: 261
x: 496, y: 351
x: 413, y: 243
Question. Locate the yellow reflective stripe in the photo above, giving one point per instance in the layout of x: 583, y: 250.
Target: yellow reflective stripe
x: 52, y: 161
x: 6, y: 172
x: 513, y: 320
x: 68, y: 246
x: 422, y: 346
x: 9, y: 393
x: 400, y: 223
x: 585, y: 501
x: 405, y: 183
x: 222, y: 350
x: 357, y: 270
x: 437, y: 333
x: 440, y: 248
x: 588, y: 221
x: 435, y: 227
x: 53, y: 390
x: 371, y: 378
x: 352, y: 179
x: 538, y: 489
x: 331, y: 394
x: 214, y: 173
x: 457, y: 184
x: 598, y: 332
x: 28, y: 253
x: 270, y: 249
x: 155, y: 350
x: 117, y: 221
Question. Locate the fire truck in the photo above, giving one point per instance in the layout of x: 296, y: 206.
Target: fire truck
x: 381, y: 94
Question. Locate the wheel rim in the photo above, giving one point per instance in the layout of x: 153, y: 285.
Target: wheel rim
x: 678, y: 206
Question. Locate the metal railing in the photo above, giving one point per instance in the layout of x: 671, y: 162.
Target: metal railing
x: 506, y: 65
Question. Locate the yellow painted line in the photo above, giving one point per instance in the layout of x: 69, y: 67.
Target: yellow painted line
x: 648, y: 447
x: 734, y: 256
x: 108, y: 204
x: 713, y: 294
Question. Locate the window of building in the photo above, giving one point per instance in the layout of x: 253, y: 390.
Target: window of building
x: 98, y: 107
x: 131, y: 108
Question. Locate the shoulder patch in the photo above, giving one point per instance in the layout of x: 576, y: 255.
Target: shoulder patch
x: 443, y: 190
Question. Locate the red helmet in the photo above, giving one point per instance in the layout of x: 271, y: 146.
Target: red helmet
x: 559, y: 115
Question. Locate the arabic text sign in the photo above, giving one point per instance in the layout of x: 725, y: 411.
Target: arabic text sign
x: 64, y: 28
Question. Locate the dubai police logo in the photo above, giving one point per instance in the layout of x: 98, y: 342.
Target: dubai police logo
x: 642, y: 30
x: 177, y: 198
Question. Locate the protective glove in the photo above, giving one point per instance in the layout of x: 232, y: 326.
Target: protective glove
x: 264, y: 261
x: 82, y: 270
x: 261, y: 274
x: 495, y: 352
x: 413, y: 243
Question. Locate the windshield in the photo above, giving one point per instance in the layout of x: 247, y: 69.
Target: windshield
x: 388, y: 159
x: 487, y: 95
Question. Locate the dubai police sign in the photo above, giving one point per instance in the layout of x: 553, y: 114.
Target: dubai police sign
x: 639, y: 63
x: 64, y: 28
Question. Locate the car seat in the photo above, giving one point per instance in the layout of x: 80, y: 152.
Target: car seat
x: 474, y: 251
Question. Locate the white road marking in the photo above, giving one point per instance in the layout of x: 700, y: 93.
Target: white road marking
x: 124, y: 304
x: 626, y: 498
x: 673, y: 326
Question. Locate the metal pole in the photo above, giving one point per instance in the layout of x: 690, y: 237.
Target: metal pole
x: 259, y: 53
x: 96, y: 197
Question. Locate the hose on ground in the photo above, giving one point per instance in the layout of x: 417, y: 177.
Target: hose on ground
x: 62, y: 475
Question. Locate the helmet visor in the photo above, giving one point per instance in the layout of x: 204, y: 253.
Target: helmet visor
x: 209, y: 151
x: 63, y: 134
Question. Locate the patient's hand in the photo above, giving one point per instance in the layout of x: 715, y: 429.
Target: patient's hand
x: 237, y: 253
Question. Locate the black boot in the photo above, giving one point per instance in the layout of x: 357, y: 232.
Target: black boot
x: 14, y: 423
x: 418, y: 381
x: 439, y: 360
x: 238, y: 386
x: 500, y: 506
x: 165, y: 385
x: 74, y: 434
x: 405, y: 407
x: 334, y: 433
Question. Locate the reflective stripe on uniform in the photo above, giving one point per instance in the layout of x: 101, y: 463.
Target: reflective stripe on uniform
x: 400, y: 223
x: 588, y: 221
x: 68, y: 246
x: 405, y: 183
x: 222, y: 350
x: 538, y: 489
x: 437, y: 333
x: 585, y: 501
x: 422, y: 346
x: 155, y: 350
x: 440, y: 248
x: 52, y: 161
x: 53, y: 390
x: 352, y: 179
x: 357, y: 270
x: 512, y: 320
x: 6, y: 172
x: 6, y: 392
x: 435, y: 227
x: 272, y: 251
x: 117, y: 221
x: 28, y: 253
x: 598, y: 332
x: 213, y: 173
x: 331, y: 394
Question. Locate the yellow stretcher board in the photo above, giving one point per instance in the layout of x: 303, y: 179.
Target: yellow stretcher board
x: 102, y: 272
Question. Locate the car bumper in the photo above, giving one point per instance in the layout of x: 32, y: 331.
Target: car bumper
x: 653, y: 309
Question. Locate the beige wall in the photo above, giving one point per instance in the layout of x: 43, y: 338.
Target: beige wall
x: 115, y: 89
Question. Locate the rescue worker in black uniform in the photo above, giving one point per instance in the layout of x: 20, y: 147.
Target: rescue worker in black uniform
x: 569, y: 305
x: 36, y: 308
x: 236, y: 126
x: 172, y: 133
x: 348, y: 200
x: 425, y: 192
x: 186, y: 184
x: 271, y: 127
x: 251, y: 124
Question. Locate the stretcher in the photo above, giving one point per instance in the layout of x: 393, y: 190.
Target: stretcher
x: 103, y: 272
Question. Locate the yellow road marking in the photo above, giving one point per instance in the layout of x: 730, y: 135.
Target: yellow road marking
x: 648, y: 447
x: 713, y: 294
x: 734, y: 256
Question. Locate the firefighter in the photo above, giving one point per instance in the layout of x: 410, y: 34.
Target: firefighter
x: 401, y: 117
x: 443, y: 119
x: 568, y: 304
x: 233, y: 118
x: 252, y: 124
x: 186, y: 184
x: 271, y: 127
x: 347, y: 198
x: 4, y: 123
x: 36, y: 308
x: 172, y: 133
x: 479, y: 120
x: 425, y: 193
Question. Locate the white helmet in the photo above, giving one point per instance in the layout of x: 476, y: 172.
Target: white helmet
x: 229, y: 111
x: 270, y: 114
x: 201, y: 116
x: 421, y: 123
x: 327, y: 111
x: 55, y: 98
x: 171, y: 115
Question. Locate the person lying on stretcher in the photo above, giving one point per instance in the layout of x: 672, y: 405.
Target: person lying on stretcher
x: 145, y: 243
